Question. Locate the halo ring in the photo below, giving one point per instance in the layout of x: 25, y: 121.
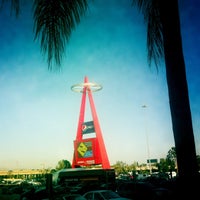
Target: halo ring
x: 94, y: 87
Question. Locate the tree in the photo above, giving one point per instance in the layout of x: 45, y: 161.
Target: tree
x: 63, y: 164
x: 164, y: 40
x: 171, y: 159
x: 120, y: 167
x: 162, y: 166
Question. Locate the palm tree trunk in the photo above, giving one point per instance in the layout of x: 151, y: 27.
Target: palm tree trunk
x: 178, y: 90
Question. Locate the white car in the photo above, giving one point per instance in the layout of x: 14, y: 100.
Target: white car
x: 103, y: 195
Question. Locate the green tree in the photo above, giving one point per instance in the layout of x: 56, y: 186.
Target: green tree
x: 63, y: 164
x: 120, y: 167
x: 171, y: 159
x: 164, y: 40
x: 162, y: 166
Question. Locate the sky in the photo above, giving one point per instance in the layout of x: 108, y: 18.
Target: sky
x: 39, y: 112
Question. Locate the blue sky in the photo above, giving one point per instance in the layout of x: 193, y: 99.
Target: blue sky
x: 39, y: 112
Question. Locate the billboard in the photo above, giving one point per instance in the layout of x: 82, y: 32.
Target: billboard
x: 88, y: 127
x: 86, y: 152
x: 152, y: 161
x: 84, y: 149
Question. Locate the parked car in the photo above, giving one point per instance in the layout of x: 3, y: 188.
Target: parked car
x: 103, y: 195
x: 73, y: 197
x: 138, y: 190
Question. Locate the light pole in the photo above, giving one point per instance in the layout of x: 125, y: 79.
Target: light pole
x: 147, y: 140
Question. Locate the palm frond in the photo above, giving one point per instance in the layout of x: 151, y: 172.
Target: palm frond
x: 150, y: 10
x: 15, y: 6
x: 54, y: 21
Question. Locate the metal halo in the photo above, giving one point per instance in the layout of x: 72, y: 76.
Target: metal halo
x: 94, y: 87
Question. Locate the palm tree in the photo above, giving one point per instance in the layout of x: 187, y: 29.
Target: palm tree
x: 164, y: 40
x: 55, y: 20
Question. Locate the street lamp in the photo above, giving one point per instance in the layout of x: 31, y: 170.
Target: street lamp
x: 147, y: 140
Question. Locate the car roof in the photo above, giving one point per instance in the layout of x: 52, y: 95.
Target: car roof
x: 99, y: 191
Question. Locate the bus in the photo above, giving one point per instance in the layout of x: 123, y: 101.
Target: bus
x: 74, y: 177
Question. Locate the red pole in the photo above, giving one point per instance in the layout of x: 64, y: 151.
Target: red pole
x: 103, y: 153
x: 80, y: 122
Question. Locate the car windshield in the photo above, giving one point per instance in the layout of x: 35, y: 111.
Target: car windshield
x: 110, y: 195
